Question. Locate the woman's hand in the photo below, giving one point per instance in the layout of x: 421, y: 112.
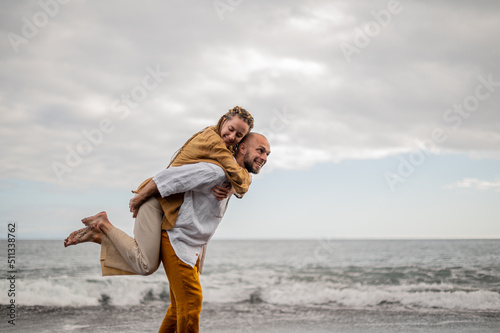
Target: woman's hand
x: 222, y: 192
x: 135, y: 203
x: 149, y: 190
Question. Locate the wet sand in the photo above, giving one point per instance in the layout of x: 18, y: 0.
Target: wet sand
x: 246, y: 317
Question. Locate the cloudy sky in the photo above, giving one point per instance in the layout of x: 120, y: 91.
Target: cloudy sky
x: 383, y: 116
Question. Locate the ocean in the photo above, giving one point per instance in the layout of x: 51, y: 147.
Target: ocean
x: 266, y: 286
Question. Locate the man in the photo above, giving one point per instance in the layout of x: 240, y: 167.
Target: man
x: 198, y: 218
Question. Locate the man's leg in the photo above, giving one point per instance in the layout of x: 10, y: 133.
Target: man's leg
x: 185, y: 292
x: 169, y: 323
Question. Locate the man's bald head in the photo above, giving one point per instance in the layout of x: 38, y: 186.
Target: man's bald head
x: 253, y: 151
x: 252, y: 136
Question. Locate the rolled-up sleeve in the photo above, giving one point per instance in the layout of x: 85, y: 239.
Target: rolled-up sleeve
x: 189, y: 177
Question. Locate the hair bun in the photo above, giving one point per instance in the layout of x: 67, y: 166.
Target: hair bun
x: 242, y: 113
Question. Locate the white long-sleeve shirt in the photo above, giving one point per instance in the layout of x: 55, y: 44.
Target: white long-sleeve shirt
x: 200, y: 213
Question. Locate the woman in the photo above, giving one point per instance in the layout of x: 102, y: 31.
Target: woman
x: 122, y: 254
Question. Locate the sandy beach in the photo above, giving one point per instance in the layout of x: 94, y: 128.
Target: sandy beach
x: 250, y: 318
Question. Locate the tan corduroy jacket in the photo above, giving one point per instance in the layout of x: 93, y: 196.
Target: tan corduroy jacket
x: 206, y: 146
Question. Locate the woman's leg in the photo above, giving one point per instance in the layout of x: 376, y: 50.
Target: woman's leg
x: 141, y: 254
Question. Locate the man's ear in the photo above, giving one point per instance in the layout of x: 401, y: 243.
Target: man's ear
x: 242, y: 148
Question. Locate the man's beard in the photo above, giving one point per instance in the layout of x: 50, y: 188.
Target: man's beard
x: 249, y: 165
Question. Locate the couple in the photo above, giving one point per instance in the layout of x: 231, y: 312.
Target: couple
x: 178, y: 210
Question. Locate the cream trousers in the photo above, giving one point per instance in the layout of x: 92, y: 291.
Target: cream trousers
x: 124, y: 255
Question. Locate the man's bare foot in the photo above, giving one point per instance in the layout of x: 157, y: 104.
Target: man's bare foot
x: 98, y: 222
x: 87, y: 234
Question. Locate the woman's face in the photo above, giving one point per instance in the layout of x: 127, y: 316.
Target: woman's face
x: 233, y: 130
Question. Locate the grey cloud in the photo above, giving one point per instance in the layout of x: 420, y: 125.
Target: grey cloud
x: 264, y: 56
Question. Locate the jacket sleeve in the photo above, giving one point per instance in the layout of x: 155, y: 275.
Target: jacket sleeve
x: 208, y: 146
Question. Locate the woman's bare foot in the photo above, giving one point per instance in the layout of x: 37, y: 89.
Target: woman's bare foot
x: 98, y: 222
x: 87, y: 234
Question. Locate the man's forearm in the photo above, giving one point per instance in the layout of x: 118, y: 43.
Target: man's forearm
x: 148, y: 191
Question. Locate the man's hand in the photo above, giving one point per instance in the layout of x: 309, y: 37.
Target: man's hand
x: 222, y: 192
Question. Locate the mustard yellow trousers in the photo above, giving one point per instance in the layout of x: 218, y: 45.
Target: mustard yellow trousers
x: 183, y: 314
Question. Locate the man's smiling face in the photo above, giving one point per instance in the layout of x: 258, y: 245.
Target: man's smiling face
x: 258, y: 149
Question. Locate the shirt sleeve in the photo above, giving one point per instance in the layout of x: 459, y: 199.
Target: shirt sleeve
x: 189, y: 177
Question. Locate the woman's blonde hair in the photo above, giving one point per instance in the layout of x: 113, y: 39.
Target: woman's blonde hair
x: 240, y: 112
